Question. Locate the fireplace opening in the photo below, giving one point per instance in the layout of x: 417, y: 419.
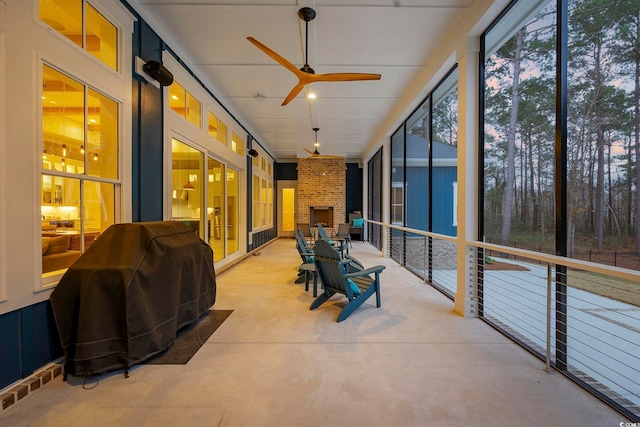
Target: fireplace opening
x: 321, y: 215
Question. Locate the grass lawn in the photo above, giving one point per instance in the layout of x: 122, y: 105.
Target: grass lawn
x: 618, y: 289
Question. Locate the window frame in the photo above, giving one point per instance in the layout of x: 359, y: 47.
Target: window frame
x: 118, y: 182
x: 263, y: 214
x: 109, y: 11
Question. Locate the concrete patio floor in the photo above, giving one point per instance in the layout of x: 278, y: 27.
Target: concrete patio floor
x: 273, y: 362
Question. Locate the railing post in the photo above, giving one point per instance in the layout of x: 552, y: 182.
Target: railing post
x: 425, y: 259
x: 548, y: 352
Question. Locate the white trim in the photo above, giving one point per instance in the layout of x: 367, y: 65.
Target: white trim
x: 3, y: 139
x: 118, y: 15
x: 30, y: 43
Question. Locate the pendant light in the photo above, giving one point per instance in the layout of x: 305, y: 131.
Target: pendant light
x: 315, y: 144
x: 188, y: 185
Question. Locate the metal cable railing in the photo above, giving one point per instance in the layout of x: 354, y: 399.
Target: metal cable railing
x: 581, y: 318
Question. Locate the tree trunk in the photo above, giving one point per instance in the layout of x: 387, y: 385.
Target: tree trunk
x: 532, y: 189
x: 636, y: 128
x: 507, y: 205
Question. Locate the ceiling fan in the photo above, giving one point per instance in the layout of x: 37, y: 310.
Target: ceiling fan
x: 306, y: 74
x: 315, y: 154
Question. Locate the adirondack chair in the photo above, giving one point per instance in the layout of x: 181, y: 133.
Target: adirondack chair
x: 322, y: 234
x: 306, y: 255
x: 357, y: 286
x: 306, y: 232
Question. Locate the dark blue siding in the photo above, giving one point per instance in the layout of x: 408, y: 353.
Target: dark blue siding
x: 29, y: 341
x: 443, y: 179
x: 10, y: 353
x: 417, y: 192
x: 417, y: 198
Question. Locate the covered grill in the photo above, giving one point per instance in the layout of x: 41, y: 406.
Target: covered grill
x: 125, y: 298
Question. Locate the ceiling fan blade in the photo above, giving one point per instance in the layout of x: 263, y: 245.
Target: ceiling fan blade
x: 344, y: 77
x: 321, y: 156
x: 275, y: 56
x: 294, y: 92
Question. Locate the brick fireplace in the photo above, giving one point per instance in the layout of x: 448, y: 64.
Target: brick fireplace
x: 322, y: 215
x: 322, y: 189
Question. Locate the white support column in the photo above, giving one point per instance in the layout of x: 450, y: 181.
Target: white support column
x: 468, y: 71
x: 386, y: 194
x: 365, y: 192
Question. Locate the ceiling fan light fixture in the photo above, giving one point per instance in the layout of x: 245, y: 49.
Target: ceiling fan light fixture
x: 306, y: 75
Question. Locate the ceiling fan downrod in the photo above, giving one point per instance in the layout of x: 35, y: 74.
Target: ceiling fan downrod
x: 307, y: 14
x: 315, y: 144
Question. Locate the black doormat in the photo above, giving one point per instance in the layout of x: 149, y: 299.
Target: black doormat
x: 190, y: 339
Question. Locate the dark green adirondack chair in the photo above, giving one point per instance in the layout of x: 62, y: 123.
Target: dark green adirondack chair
x: 322, y: 234
x: 306, y: 255
x: 334, y: 273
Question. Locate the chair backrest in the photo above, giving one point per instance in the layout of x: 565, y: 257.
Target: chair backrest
x: 353, y: 216
x: 304, y: 229
x: 303, y: 248
x: 331, y: 268
x: 322, y: 233
x: 343, y: 229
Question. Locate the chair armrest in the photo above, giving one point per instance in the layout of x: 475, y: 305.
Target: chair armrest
x: 375, y: 269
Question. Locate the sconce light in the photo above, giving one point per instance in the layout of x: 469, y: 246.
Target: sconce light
x: 64, y: 150
x: 95, y: 157
x: 82, y: 149
x: 253, y: 153
x: 44, y: 154
x: 156, y: 70
x: 153, y: 72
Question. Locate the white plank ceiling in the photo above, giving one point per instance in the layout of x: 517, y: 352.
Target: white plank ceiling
x: 393, y: 38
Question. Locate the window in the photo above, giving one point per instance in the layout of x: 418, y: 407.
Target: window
x: 444, y: 155
x: 397, y: 196
x: 397, y: 203
x: 374, y: 199
x: 237, y: 144
x: 217, y: 128
x: 416, y: 170
x: 186, y: 185
x: 256, y: 201
x: 215, y: 207
x: 222, y: 132
x: 184, y: 104
x: 519, y: 128
x: 233, y: 219
x: 263, y: 199
x: 79, y: 178
x: 262, y: 193
x: 94, y: 33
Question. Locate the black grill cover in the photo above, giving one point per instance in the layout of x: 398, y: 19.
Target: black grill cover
x: 125, y: 298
